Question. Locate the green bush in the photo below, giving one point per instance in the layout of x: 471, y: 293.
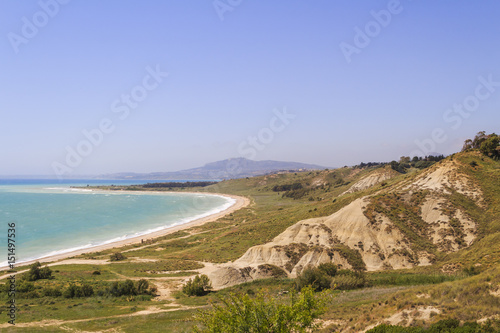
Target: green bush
x: 264, y: 313
x: 24, y: 287
x: 274, y: 271
x: 442, y: 326
x: 128, y: 288
x: 287, y: 187
x: 198, y: 287
x: 117, y: 257
x: 314, y: 277
x: 54, y: 292
x: 122, y: 288
x: 402, y: 279
x: 348, y: 280
x: 36, y: 272
x: 78, y: 291
x: 328, y: 268
x: 384, y: 328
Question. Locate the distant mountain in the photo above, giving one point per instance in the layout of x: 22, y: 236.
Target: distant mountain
x: 226, y: 169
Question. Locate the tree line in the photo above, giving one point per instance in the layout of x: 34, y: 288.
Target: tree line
x: 488, y: 144
x: 178, y: 184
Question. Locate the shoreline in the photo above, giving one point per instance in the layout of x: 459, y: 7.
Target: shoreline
x: 240, y: 202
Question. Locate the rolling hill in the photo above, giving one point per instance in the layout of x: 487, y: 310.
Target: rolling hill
x: 226, y: 169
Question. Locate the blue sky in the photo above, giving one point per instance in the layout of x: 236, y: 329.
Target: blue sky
x: 233, y: 66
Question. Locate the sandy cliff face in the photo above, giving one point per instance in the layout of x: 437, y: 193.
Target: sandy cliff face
x: 374, y: 178
x: 378, y: 241
x: 443, y: 177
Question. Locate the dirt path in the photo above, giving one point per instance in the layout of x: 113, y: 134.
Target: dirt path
x: 150, y: 310
x: 65, y: 262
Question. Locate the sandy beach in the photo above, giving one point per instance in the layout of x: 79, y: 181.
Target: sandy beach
x: 240, y: 202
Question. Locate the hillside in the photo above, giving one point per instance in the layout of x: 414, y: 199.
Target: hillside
x: 413, y: 222
x: 226, y: 169
x: 427, y: 239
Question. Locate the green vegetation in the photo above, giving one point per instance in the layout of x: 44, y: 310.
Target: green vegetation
x: 442, y: 326
x: 461, y: 284
x: 117, y: 257
x: 352, y: 256
x: 326, y: 276
x: 36, y: 272
x: 406, y: 163
x: 154, y: 268
x: 198, y: 287
x: 405, y: 214
x: 172, y: 185
x: 314, y: 277
x: 72, y: 291
x: 264, y: 314
x: 129, y: 288
x: 487, y: 144
x: 398, y: 278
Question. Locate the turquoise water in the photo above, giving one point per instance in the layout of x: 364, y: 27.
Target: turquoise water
x: 52, y: 218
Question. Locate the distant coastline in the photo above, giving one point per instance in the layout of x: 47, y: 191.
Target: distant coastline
x: 238, y: 203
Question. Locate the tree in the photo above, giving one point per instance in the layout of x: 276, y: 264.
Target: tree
x: 404, y: 159
x: 38, y: 273
x: 489, y: 146
x: 197, y: 287
x: 467, y: 145
x: 240, y: 313
x: 478, y: 139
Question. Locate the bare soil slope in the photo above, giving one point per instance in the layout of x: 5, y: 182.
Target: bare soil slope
x: 401, y: 226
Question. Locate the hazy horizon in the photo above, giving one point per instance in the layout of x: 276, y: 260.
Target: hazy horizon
x: 92, y: 88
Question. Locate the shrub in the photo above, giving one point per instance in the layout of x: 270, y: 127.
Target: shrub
x: 274, y: 271
x: 328, y: 268
x: 442, y: 326
x: 287, y: 187
x: 24, y: 287
x: 128, y: 288
x: 264, y: 313
x: 314, y: 277
x: 384, y: 328
x: 38, y: 273
x: 347, y: 280
x: 197, y: 287
x: 142, y: 286
x: 122, y: 288
x: 54, y: 292
x: 470, y: 271
x: 78, y: 291
x: 87, y: 290
x: 423, y: 164
x: 117, y: 257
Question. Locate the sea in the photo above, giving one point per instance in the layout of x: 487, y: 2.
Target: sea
x: 51, y: 217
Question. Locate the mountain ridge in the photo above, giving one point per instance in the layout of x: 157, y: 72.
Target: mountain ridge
x: 224, y: 169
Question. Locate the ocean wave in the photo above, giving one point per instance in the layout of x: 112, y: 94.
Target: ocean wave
x: 229, y: 203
